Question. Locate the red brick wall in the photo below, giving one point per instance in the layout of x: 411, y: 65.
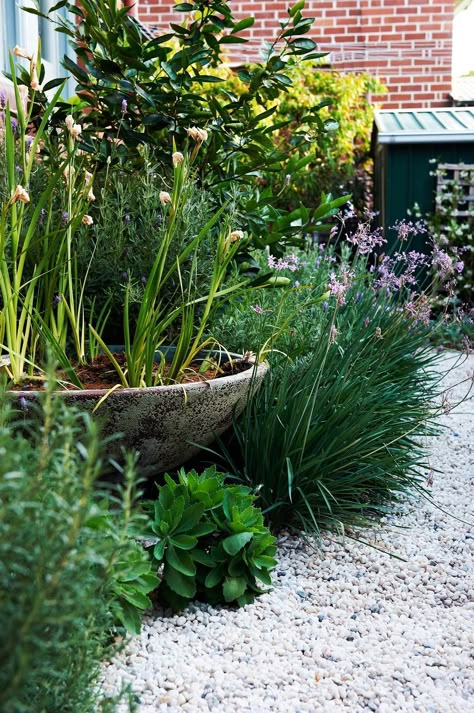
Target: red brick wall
x: 407, y: 43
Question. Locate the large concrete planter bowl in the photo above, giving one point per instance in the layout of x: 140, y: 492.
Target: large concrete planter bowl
x: 162, y: 422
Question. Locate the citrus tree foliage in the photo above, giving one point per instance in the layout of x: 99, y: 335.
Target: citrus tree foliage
x: 151, y: 90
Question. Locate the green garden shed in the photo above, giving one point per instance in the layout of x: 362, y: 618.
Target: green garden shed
x: 407, y: 145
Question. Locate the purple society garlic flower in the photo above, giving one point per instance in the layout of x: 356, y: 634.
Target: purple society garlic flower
x: 419, y: 309
x: 392, y: 273
x: 257, y: 309
x: 333, y: 332
x: 405, y: 229
x: 365, y: 239
x: 123, y: 107
x: 291, y: 262
x: 442, y: 263
x: 338, y: 285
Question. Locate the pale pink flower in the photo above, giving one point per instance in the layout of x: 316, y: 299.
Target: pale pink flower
x: 165, y: 197
x: 236, y: 235
x: 339, y: 284
x: 20, y: 194
x: 69, y: 173
x: 20, y: 52
x: 73, y: 128
x: 34, y: 81
x: 366, y: 239
x: 199, y: 135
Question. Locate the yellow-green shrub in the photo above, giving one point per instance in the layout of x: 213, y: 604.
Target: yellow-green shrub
x: 339, y: 131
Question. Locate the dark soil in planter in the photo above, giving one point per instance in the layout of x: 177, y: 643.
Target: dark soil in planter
x: 100, y: 374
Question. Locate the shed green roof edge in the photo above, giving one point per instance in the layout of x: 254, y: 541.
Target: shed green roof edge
x: 406, y: 126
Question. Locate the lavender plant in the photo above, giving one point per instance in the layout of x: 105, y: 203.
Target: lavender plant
x: 145, y: 335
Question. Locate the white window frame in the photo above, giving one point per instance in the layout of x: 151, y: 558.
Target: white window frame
x: 22, y: 28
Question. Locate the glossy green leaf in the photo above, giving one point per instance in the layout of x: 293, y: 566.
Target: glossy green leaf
x: 180, y: 583
x: 243, y: 24
x: 180, y: 560
x: 159, y: 550
x: 233, y: 588
x: 215, y: 576
x: 184, y: 542
x: 235, y: 543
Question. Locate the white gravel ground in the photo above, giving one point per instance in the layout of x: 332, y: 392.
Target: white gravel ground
x: 348, y: 629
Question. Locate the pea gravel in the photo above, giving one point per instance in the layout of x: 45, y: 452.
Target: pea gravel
x: 346, y: 629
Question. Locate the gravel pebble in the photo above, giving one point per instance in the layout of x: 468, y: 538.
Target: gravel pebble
x: 346, y: 628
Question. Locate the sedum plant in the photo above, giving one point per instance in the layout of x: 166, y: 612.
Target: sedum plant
x: 210, y: 540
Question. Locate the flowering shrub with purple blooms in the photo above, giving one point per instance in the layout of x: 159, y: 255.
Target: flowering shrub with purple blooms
x: 346, y: 269
x: 334, y: 436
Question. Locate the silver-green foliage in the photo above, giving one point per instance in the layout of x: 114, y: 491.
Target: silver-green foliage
x: 210, y: 540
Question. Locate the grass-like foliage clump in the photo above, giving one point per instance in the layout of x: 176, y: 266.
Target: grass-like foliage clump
x: 336, y: 434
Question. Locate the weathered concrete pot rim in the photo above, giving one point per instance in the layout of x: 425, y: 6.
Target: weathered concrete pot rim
x: 249, y: 373
x: 166, y: 425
